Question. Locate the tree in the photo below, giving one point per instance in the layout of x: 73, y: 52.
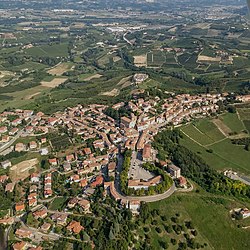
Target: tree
x: 173, y: 241
x: 144, y: 211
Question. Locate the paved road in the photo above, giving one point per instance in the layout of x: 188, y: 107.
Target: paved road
x: 19, y: 133
x: 8, y: 144
x: 39, y: 236
x: 153, y: 198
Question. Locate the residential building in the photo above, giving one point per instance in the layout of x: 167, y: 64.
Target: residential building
x: 174, y: 171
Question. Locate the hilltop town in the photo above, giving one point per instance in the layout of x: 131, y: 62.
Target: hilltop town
x: 83, y: 148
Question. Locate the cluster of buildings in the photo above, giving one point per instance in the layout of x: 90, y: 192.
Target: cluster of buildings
x: 102, y: 138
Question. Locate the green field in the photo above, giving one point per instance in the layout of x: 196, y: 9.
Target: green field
x: 210, y: 216
x: 156, y: 58
x: 233, y: 122
x: 203, y: 131
x: 224, y: 155
x: 207, y: 127
x: 247, y: 125
x: 244, y: 113
x: 54, y: 50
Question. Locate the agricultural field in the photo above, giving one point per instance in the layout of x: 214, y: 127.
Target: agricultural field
x: 156, y: 58
x: 202, y: 209
x: 203, y: 132
x: 60, y: 68
x: 215, y: 147
x: 55, y: 50
x: 231, y: 120
x: 54, y: 82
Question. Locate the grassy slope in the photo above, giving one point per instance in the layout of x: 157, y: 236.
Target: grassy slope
x: 225, y: 155
x: 232, y: 121
x: 211, y: 218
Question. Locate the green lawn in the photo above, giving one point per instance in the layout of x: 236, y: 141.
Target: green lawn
x: 210, y: 216
x: 233, y: 122
x: 58, y: 203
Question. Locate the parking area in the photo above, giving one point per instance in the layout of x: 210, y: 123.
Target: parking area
x: 136, y: 171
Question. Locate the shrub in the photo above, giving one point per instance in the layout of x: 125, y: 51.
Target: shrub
x: 158, y: 230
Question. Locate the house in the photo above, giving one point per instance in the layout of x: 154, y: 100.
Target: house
x: 6, y: 164
x: 23, y: 233
x: 127, y: 122
x: 29, y: 129
x: 3, y: 130
x: 10, y: 187
x: 53, y: 162
x: 182, y: 181
x: 5, y: 138
x: 70, y: 158
x: 32, y: 202
x: 85, y: 204
x: 61, y: 219
x: 139, y: 78
x: 98, y: 181
x: 134, y: 206
x: 111, y: 167
x: 72, y: 202
x: 45, y: 227
x: 40, y: 214
x: 33, y: 145
x: 245, y: 213
x: 174, y: 171
x: 47, y: 193
x: 43, y: 140
x: 147, y: 153
x: 75, y: 178
x: 34, y: 178
x: 22, y: 245
x: 139, y: 184
x: 32, y: 196
x: 7, y: 221
x: 19, y: 147
x: 3, y: 178
x: 19, y: 207
x: 16, y: 122
x: 13, y: 131
x: 33, y: 189
x: 83, y: 183
x: 87, y: 151
x: 66, y: 166
x: 75, y: 227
